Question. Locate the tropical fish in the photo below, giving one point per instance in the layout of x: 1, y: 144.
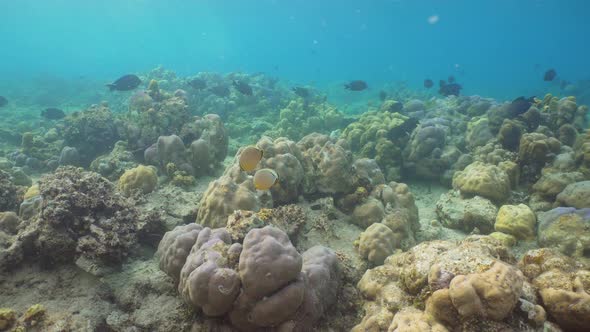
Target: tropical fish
x: 197, y: 83
x: 356, y: 85
x: 125, y: 83
x: 265, y: 178
x: 549, y: 75
x: 53, y: 113
x: 519, y: 106
x: 249, y: 158
x: 301, y: 92
x: 220, y: 90
x: 243, y: 87
x: 449, y: 89
x: 428, y: 83
x: 3, y: 101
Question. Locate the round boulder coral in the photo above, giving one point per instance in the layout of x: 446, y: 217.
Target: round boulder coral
x: 517, y: 220
x: 377, y: 242
x: 485, y: 180
x: 139, y: 179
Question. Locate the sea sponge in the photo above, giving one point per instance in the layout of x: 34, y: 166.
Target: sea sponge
x: 139, y: 179
x: 492, y: 294
x: 377, y: 242
x: 517, y: 220
x: 482, y: 179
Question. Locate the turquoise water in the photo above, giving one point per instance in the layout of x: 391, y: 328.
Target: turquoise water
x: 498, y: 48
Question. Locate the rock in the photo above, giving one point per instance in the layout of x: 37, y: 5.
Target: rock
x: 466, y: 214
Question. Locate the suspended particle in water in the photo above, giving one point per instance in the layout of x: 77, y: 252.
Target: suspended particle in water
x: 433, y: 19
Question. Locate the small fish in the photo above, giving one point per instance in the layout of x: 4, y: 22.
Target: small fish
x: 449, y: 89
x: 549, y: 75
x: 519, y: 106
x: 243, y: 87
x: 265, y: 178
x: 356, y: 85
x: 3, y: 101
x: 428, y: 83
x: 382, y: 95
x: 301, y: 92
x: 249, y: 158
x: 451, y: 79
x: 53, y: 113
x: 197, y: 83
x: 125, y: 83
x: 220, y: 91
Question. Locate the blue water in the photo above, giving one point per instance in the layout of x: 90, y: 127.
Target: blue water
x: 496, y: 48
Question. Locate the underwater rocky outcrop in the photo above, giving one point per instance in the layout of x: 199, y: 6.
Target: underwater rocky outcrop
x: 78, y: 216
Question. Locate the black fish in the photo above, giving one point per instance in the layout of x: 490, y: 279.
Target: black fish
x: 220, y: 91
x: 451, y: 79
x: 53, y: 113
x: 382, y: 95
x: 125, y: 83
x: 243, y: 87
x: 428, y: 83
x: 198, y: 84
x: 449, y: 89
x: 519, y: 106
x: 405, y: 128
x: 301, y: 92
x: 3, y: 101
x: 549, y: 75
x: 356, y: 85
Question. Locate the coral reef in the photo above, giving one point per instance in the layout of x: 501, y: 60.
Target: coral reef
x: 264, y: 283
x: 8, y: 193
x: 516, y: 220
x: 141, y: 179
x: 92, y: 132
x: 83, y: 218
x: 377, y: 242
x: 576, y: 195
x: 485, y: 180
x: 566, y: 229
x: 466, y: 214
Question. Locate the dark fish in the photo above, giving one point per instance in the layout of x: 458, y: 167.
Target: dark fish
x: 451, y: 79
x: 3, y: 101
x: 549, y: 75
x: 519, y: 106
x: 197, y: 84
x: 243, y: 87
x: 405, y: 128
x: 301, y: 92
x: 125, y: 83
x: 220, y: 91
x: 382, y: 95
x: 428, y: 83
x: 356, y: 85
x: 53, y: 113
x: 449, y: 89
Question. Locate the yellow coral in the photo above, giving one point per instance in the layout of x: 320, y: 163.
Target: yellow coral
x: 33, y: 191
x: 7, y: 318
x: 516, y: 220
x: 34, y: 313
x: 141, y: 178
